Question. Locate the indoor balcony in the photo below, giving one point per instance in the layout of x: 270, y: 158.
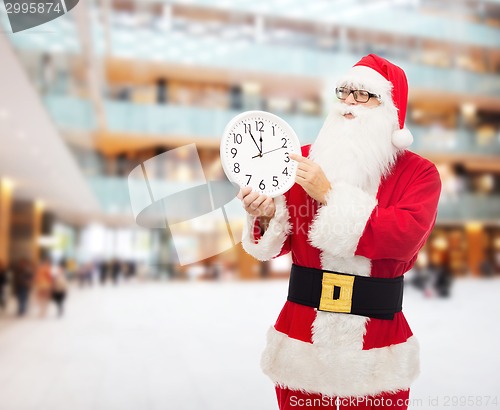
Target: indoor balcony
x: 196, y: 124
x: 114, y: 198
x: 296, y: 54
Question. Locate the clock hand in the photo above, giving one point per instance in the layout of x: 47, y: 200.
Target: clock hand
x: 257, y: 145
x: 261, y: 143
x: 267, y: 152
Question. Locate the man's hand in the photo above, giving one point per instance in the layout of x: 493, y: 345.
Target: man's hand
x: 311, y: 177
x: 256, y: 204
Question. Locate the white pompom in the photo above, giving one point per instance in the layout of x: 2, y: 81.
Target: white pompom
x: 402, y: 138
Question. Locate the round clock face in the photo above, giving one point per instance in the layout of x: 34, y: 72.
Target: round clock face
x: 255, y: 151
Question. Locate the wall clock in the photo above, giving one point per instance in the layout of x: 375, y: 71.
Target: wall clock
x: 255, y: 149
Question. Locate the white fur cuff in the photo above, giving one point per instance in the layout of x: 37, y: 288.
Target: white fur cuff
x: 270, y: 244
x: 339, y: 224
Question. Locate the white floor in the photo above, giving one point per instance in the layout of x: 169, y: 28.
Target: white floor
x: 196, y: 346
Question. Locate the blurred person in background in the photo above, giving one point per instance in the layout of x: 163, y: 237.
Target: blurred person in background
x: 84, y: 274
x: 441, y: 275
x: 131, y: 269
x: 59, y: 287
x: 43, y: 286
x: 103, y: 269
x: 487, y: 268
x: 116, y: 269
x: 22, y: 281
x: 422, y: 275
x: 3, y: 284
x: 70, y: 267
x: 443, y: 279
x: 361, y: 209
x: 47, y: 73
x: 496, y: 258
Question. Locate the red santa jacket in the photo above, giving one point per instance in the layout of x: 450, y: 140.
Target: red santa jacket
x: 339, y: 354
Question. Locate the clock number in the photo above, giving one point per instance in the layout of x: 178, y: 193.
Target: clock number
x: 275, y: 181
x: 249, y: 129
x: 238, y: 138
x: 249, y: 178
x: 284, y: 142
x: 262, y: 186
x: 285, y: 171
x: 234, y: 151
x: 236, y: 168
x: 259, y: 125
x: 273, y: 131
x: 287, y: 157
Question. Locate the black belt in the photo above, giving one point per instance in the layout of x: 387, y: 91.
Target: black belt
x: 329, y: 291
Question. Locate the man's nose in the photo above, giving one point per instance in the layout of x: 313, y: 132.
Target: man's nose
x: 350, y: 99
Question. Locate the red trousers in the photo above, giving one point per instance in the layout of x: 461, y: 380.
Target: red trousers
x: 293, y: 399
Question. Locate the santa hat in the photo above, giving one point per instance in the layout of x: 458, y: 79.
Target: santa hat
x: 379, y: 76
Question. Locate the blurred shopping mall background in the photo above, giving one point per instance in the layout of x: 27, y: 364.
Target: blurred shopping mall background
x: 91, y: 95
x: 86, y: 98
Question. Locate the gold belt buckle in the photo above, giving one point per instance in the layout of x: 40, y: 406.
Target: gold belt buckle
x: 343, y: 303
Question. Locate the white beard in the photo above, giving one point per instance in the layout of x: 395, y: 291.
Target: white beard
x: 357, y: 151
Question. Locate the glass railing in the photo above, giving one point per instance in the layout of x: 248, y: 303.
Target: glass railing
x: 458, y: 141
x: 184, y: 122
x: 71, y: 113
x: 217, y: 51
x: 113, y: 194
x: 379, y: 16
x: 60, y: 37
x: 191, y: 123
x: 451, y: 80
x: 382, y: 16
x: 188, y: 121
x: 471, y: 207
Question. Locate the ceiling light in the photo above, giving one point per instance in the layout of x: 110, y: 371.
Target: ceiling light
x: 39, y: 204
x: 468, y: 110
x: 7, y: 183
x: 474, y: 226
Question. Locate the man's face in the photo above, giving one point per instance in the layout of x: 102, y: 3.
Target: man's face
x: 371, y: 103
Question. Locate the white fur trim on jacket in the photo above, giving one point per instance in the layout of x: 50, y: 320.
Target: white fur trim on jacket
x: 270, y: 244
x: 338, y: 225
x: 339, y: 370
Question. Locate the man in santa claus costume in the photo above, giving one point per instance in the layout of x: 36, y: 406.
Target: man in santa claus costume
x: 360, y: 210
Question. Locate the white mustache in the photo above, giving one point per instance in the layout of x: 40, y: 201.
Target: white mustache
x: 356, y: 110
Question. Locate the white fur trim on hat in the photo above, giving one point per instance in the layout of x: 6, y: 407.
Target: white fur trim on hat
x: 370, y: 80
x: 402, y: 138
x: 269, y: 245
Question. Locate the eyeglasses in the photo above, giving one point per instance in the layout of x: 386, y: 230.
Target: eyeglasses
x: 360, y: 96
